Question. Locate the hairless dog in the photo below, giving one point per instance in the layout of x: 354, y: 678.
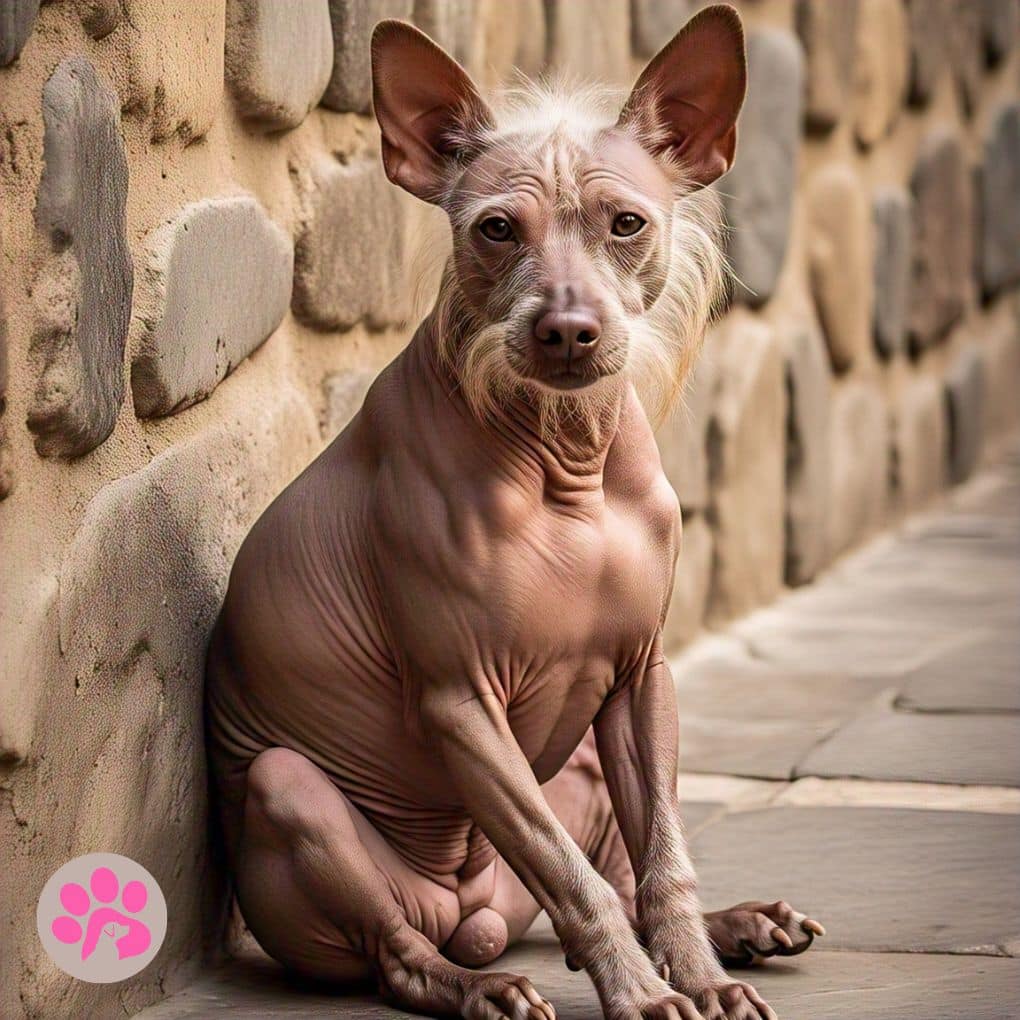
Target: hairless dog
x: 436, y: 694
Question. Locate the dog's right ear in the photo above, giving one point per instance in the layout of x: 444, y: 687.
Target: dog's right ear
x: 427, y: 106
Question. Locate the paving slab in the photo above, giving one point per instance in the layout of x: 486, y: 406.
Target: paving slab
x: 980, y: 676
x: 880, y: 879
x: 820, y: 985
x: 883, y: 743
x: 746, y: 719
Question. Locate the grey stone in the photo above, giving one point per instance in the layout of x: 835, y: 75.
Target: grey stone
x: 748, y: 718
x: 81, y: 210
x: 451, y: 23
x: 338, y: 279
x: 218, y: 283
x: 808, y: 418
x: 278, y: 58
x: 973, y: 750
x: 828, y: 32
x: 839, y: 261
x: 920, y: 441
x: 654, y: 22
x: 16, y: 20
x: 759, y: 189
x: 928, y: 35
x: 746, y: 458
x: 966, y: 51
x: 881, y: 69
x: 891, y: 217
x: 683, y: 437
x: 1000, y: 24
x: 100, y: 17
x: 691, y: 583
x: 350, y: 83
x: 345, y: 393
x: 590, y: 40
x: 942, y: 251
x: 1000, y: 203
x: 880, y: 879
x: 822, y: 986
x: 1001, y: 348
x: 982, y: 675
x: 859, y: 464
x: 965, y: 400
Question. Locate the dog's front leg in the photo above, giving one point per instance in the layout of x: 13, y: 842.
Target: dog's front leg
x: 636, y: 733
x: 499, y: 789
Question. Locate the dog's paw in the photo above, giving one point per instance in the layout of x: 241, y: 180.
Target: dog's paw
x: 755, y: 930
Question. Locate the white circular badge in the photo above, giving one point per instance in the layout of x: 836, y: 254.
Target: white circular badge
x: 101, y: 918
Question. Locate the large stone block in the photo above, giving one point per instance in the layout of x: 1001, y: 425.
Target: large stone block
x: 920, y: 442
x: 882, y: 69
x: 81, y: 209
x: 512, y: 39
x: 892, y: 221
x: 759, y: 189
x: 1000, y: 26
x: 16, y: 20
x: 965, y: 402
x: 350, y: 83
x: 809, y: 398
x: 747, y: 453
x: 340, y: 279
x: 828, y: 32
x: 942, y: 263
x: 279, y: 58
x: 176, y: 65
x: 683, y: 437
x: 1000, y: 203
x: 966, y: 51
x: 839, y: 260
x: 1001, y: 349
x: 858, y: 463
x: 590, y: 41
x: 139, y: 587
x: 691, y: 583
x: 654, y: 22
x: 218, y: 283
x: 451, y: 23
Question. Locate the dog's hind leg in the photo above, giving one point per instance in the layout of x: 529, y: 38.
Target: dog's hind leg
x: 327, y: 897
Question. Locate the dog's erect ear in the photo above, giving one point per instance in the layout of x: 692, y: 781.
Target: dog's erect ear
x: 687, y: 99
x: 427, y: 107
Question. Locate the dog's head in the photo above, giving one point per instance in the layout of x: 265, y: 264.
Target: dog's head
x: 583, y: 243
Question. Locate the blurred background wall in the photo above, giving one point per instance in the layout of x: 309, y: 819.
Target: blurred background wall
x: 203, y: 268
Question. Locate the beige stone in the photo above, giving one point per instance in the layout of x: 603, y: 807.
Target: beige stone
x: 920, y: 442
x: 683, y: 437
x: 690, y: 584
x: 590, y: 41
x: 512, y: 38
x: 859, y: 464
x: 881, y: 69
x: 1002, y: 368
x: 827, y: 31
x: 345, y: 393
x: 839, y: 258
x: 746, y: 463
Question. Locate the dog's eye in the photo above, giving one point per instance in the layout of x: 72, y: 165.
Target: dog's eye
x: 496, y: 228
x: 627, y: 224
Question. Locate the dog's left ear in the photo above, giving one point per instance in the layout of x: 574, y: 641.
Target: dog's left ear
x: 687, y: 99
x: 427, y: 106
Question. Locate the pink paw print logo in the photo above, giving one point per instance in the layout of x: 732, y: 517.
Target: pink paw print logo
x: 101, y: 917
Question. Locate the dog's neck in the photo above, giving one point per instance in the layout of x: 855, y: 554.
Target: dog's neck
x: 568, y: 451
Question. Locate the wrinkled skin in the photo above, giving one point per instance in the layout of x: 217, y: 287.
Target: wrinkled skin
x: 436, y: 695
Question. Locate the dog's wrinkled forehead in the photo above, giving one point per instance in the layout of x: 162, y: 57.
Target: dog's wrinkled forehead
x: 562, y: 174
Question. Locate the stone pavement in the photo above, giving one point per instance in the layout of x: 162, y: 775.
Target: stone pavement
x: 854, y: 749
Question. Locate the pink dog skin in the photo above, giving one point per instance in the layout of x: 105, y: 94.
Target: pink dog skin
x: 436, y: 695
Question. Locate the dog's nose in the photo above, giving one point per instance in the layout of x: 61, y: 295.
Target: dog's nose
x: 572, y: 334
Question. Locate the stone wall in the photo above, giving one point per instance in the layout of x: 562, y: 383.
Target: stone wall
x: 203, y: 268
